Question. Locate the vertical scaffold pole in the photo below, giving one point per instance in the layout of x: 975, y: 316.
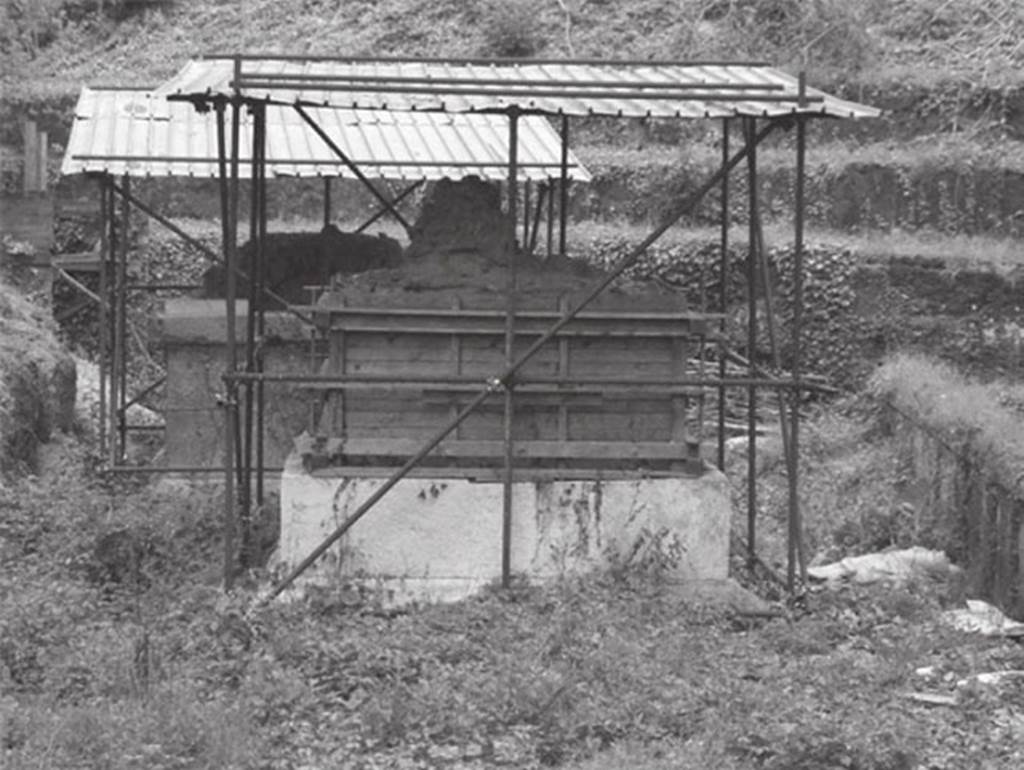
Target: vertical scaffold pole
x: 510, y: 298
x: 112, y: 246
x: 261, y: 280
x: 229, y: 322
x: 526, y: 215
x: 327, y: 195
x: 104, y: 332
x: 249, y: 387
x: 749, y: 126
x: 121, y: 328
x: 723, y: 292
x: 242, y: 463
x: 551, y: 219
x: 563, y: 188
x: 795, y: 550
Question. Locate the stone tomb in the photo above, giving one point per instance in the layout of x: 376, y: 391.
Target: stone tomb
x: 606, y: 439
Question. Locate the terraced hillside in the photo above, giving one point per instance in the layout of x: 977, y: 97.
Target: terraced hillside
x: 948, y: 154
x: 938, y: 179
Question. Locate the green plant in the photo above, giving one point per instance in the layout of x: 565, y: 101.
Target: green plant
x: 513, y: 28
x: 962, y: 412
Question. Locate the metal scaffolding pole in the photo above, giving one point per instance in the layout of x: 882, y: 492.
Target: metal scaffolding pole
x: 241, y: 468
x: 120, y: 371
x: 230, y: 415
x: 795, y: 549
x: 394, y: 202
x: 723, y: 292
x: 526, y: 215
x: 563, y: 189
x: 111, y: 267
x: 749, y: 126
x: 551, y: 219
x: 531, y: 245
x: 510, y: 320
x: 327, y: 187
x: 104, y: 336
x: 249, y: 388
x: 261, y: 281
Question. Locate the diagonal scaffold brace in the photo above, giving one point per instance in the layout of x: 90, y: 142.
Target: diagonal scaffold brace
x: 499, y: 383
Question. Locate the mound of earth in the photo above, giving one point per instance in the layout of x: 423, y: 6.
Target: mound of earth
x: 297, y: 260
x: 460, y: 254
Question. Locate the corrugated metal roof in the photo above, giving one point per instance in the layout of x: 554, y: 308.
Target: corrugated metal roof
x: 141, y: 133
x: 627, y: 89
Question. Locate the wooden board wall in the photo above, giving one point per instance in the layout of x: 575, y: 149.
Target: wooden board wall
x: 627, y: 424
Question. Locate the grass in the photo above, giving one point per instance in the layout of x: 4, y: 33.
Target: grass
x: 166, y: 672
x: 944, y: 401
x: 984, y: 252
x: 955, y: 151
x: 835, y: 40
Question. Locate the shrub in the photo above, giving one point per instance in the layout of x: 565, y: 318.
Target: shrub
x: 513, y: 28
x: 965, y: 412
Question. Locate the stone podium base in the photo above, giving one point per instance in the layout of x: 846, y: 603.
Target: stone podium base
x: 439, y: 539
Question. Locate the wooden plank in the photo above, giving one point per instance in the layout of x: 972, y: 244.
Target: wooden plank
x: 602, y: 424
x: 532, y: 311
x: 495, y: 474
x: 400, y: 402
x: 437, y: 348
x: 485, y: 424
x: 433, y: 390
x: 574, y: 395
x: 525, y: 329
x: 624, y: 426
x: 566, y: 450
x: 488, y: 426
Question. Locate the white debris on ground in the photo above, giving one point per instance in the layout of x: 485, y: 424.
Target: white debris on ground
x: 982, y: 618
x: 892, y: 566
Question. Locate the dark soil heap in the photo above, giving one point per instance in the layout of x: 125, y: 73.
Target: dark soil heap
x: 297, y: 260
x: 460, y: 253
x: 462, y: 217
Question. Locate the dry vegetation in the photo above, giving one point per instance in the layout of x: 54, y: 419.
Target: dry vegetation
x: 118, y: 650
x: 152, y: 667
x: 53, y: 45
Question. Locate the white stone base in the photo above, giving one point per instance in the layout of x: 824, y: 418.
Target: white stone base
x: 434, y: 539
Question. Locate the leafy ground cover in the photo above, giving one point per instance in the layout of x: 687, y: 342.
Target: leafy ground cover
x: 117, y: 650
